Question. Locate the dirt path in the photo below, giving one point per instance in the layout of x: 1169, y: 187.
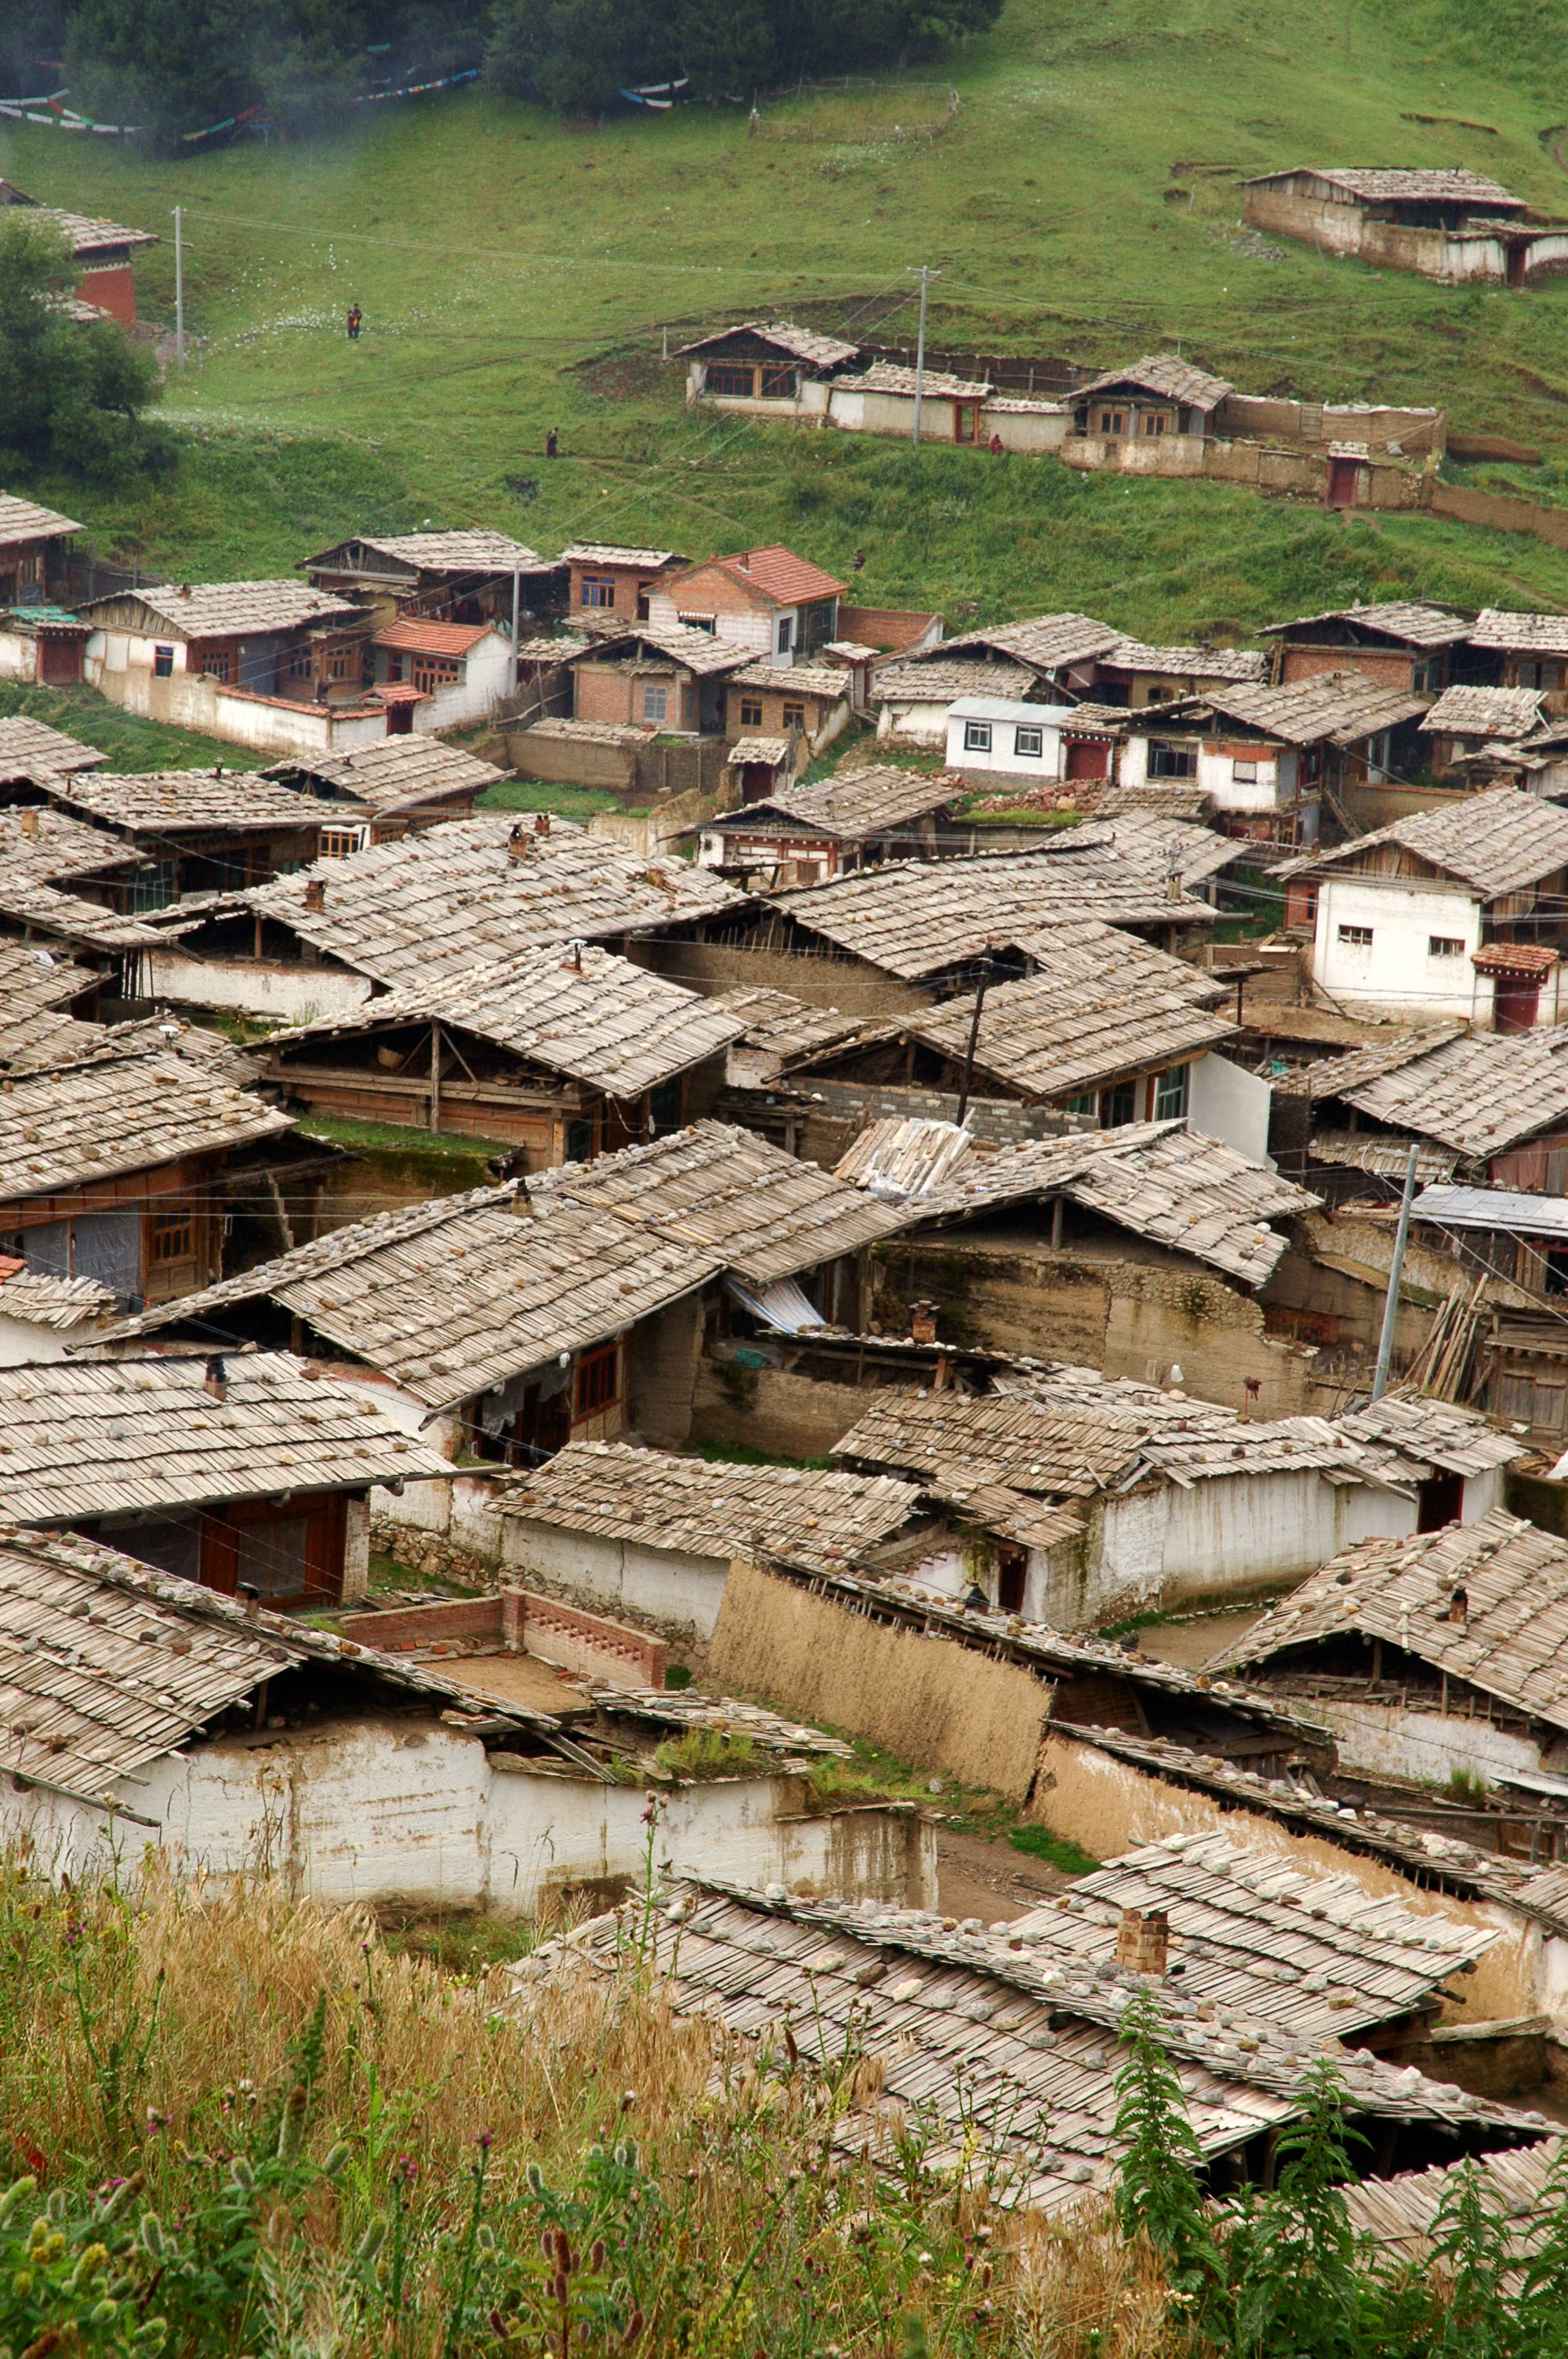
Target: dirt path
x: 977, y: 1877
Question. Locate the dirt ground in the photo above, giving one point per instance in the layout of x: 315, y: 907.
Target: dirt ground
x: 1193, y: 1640
x: 513, y: 1679
x: 977, y: 1877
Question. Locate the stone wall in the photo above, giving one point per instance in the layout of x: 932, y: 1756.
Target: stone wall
x: 430, y: 1555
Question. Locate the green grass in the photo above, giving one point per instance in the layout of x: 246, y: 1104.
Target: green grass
x: 385, y: 1137
x: 1039, y: 1843
x: 132, y: 743
x: 536, y: 794
x: 494, y: 248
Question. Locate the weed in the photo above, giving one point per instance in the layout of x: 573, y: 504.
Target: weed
x: 1039, y: 1843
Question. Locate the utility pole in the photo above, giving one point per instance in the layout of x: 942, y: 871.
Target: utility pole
x: 179, y: 292
x: 980, y: 989
x: 1391, y: 1304
x: 516, y: 617
x: 926, y: 277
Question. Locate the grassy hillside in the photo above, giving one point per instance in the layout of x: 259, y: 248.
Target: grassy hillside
x: 1083, y: 202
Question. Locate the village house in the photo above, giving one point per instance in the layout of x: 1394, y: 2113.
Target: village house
x: 914, y: 698
x: 1134, y: 673
x: 563, y: 1054
x: 1178, y: 1499
x: 121, y: 1168
x: 45, y: 1318
x: 1527, y: 651
x: 248, y: 1743
x: 101, y: 249
x: 1050, y: 660
x: 716, y: 1948
x: 810, y: 701
x: 1466, y: 720
x: 769, y: 368
x: 877, y: 940
x: 1454, y: 226
x: 268, y: 664
x: 449, y: 577
x: 426, y: 905
x: 660, y: 675
x: 1404, y: 644
x: 193, y: 832
x: 246, y: 1473
x: 883, y: 399
x: 1459, y: 912
x: 32, y: 555
x: 780, y: 607
x: 440, y: 675
x: 69, y: 887
x: 805, y: 835
x: 1148, y: 1250
x: 30, y: 751
x: 995, y: 736
x: 1433, y: 1656
x: 607, y: 583
x: 1267, y: 757
x: 45, y: 1000
x: 1160, y: 396
x: 382, y: 791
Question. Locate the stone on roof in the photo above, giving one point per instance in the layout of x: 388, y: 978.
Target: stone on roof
x: 40, y: 848
x: 1044, y: 642
x: 1508, y: 1637
x: 802, y: 343
x: 160, y: 801
x: 698, y: 1509
x: 1382, y: 184
x: 395, y: 773
x: 40, y: 1299
x: 470, y: 891
x: 1198, y: 663
x: 555, y: 730
x: 218, y: 610
x: 1166, y: 373
x: 451, y: 552
x: 1338, y: 708
x: 1507, y: 712
x: 702, y: 652
x: 1432, y: 1432
x: 32, y: 749
x: 776, y: 1027
x: 937, y: 678
x: 1496, y: 842
x: 1379, y: 1156
x: 1499, y: 626
x: 86, y: 1438
x: 795, y: 679
x: 767, y: 751
x: 610, y: 552
x: 88, y: 234
x: 583, y: 1013
x: 25, y: 521
x: 853, y: 805
x: 725, y: 1195
x: 449, y: 1297
x: 890, y: 376
x: 32, y: 980
x: 111, y: 1113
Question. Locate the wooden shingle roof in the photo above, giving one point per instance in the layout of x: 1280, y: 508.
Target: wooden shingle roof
x: 1477, y: 1092
x: 1495, y: 843
x: 218, y: 610
x: 1500, y: 626
x: 1061, y: 1033
x: 31, y: 748
x: 458, y: 895
x: 1508, y: 1637
x: 65, y: 1126
x: 393, y: 772
x: 853, y: 805
x: 84, y: 1438
x: 1167, y: 374
x: 1507, y: 712
x: 583, y: 1013
x: 25, y: 520
x: 1043, y: 641
x: 160, y: 802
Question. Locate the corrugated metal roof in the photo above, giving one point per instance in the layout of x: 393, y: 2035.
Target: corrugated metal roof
x: 725, y: 1193
x: 693, y: 1507
x: 992, y: 2044
x: 1507, y: 1209
x: 585, y: 1014
x: 86, y: 1438
x: 111, y: 1113
x: 1512, y: 1642
x: 455, y: 897
x: 449, y: 1297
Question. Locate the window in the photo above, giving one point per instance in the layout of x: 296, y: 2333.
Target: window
x: 344, y: 663
x: 1111, y: 422
x: 795, y: 716
x: 171, y: 1237
x: 655, y: 700
x: 724, y: 377
x: 163, y: 663
x: 1244, y: 773
x: 1173, y: 761
x: 339, y: 842
x: 1171, y: 1094
x: 664, y: 1108
x: 708, y: 623
x: 1154, y: 424
x: 1355, y: 938
x: 599, y: 590
x: 1117, y: 1104
x: 779, y: 383
x: 977, y: 736
x: 433, y: 672
x: 785, y: 633
x: 751, y: 713
x: 598, y: 1379
x: 1029, y: 744
x: 154, y: 887
x: 217, y: 663
x: 1443, y: 946
x: 297, y: 664
x: 579, y: 1140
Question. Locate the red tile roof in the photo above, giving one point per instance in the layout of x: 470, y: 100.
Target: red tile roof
x: 435, y: 638
x: 779, y: 574
x: 1514, y: 958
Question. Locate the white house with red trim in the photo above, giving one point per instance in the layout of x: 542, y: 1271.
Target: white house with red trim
x: 441, y: 675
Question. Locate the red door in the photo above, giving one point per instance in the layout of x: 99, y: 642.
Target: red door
x: 1343, y: 483
x: 60, y: 656
x: 1088, y: 758
x: 1516, y: 1002
x: 400, y: 719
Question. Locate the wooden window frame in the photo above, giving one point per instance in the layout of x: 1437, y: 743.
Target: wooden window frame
x: 589, y: 1395
x: 594, y: 587
x: 751, y: 713
x: 730, y: 380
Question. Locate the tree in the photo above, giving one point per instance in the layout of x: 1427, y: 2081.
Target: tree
x: 71, y: 394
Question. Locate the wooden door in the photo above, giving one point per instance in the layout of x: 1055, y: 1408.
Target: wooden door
x: 1343, y: 483
x: 1088, y: 758
x: 400, y: 719
x: 1516, y: 1002
x: 60, y: 658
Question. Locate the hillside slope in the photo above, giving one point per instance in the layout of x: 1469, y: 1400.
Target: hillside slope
x: 1082, y: 202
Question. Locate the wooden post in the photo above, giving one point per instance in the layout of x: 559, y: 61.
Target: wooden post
x: 435, y: 1077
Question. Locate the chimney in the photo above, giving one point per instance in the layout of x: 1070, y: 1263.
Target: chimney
x: 1143, y: 1941
x: 251, y: 1596
x: 216, y: 1380
x: 573, y: 959
x: 519, y: 844
x: 923, y: 1322
x: 541, y: 823
x: 315, y: 895
x: 1459, y: 1607
x: 185, y: 589
x: 30, y: 822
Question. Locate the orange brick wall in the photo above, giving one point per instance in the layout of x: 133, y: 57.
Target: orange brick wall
x: 1307, y: 663
x: 114, y: 292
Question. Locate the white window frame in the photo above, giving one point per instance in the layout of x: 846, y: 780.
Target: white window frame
x: 655, y: 693
x: 977, y: 736
x: 1244, y: 774
x: 1031, y: 751
x: 1445, y: 946
x: 1355, y: 938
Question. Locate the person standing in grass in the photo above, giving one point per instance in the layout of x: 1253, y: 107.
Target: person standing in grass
x: 356, y: 319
